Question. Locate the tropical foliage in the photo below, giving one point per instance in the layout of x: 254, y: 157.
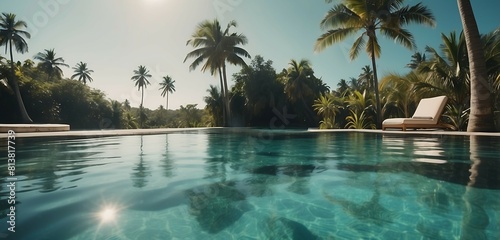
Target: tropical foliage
x: 260, y: 95
x: 387, y: 17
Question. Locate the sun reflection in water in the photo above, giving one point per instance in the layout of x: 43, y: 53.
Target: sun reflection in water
x: 107, y: 214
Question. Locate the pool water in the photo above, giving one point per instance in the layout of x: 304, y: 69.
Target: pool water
x: 256, y: 184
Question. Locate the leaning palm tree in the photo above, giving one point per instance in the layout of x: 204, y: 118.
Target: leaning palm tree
x: 82, y: 72
x: 215, y: 47
x: 167, y: 86
x: 11, y: 33
x: 140, y: 78
x: 51, y: 64
x: 481, y: 114
x: 386, y: 16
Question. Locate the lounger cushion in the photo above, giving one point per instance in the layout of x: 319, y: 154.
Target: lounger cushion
x: 430, y: 107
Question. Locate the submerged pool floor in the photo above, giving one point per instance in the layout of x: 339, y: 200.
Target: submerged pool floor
x: 257, y: 184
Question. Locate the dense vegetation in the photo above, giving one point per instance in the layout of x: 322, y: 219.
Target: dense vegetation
x: 260, y: 95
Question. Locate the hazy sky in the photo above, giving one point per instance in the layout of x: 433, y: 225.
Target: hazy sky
x: 114, y: 37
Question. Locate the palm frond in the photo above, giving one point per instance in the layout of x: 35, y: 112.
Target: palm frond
x: 357, y: 46
x: 415, y: 14
x: 333, y: 36
x: 402, y: 36
x: 340, y: 16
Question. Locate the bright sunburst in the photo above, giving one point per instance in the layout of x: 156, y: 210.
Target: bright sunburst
x: 108, y: 214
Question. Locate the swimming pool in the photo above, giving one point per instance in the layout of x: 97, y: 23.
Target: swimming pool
x: 256, y: 184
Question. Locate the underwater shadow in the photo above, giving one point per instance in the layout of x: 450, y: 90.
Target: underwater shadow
x: 452, y: 172
x: 217, y: 206
x: 370, y: 210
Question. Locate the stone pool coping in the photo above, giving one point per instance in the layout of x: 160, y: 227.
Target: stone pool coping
x: 125, y: 132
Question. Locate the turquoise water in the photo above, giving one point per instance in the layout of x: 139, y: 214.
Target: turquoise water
x: 256, y: 184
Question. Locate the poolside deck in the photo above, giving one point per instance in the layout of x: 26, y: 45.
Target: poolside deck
x: 24, y: 133
x: 59, y: 130
x: 22, y: 128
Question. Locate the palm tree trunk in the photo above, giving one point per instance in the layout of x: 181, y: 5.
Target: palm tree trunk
x: 375, y: 87
x: 167, y: 102
x: 224, y: 120
x: 226, y: 95
x: 481, y: 111
x: 141, y: 108
x: 25, y: 118
x: 142, y: 95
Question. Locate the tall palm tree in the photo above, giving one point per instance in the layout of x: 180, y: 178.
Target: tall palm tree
x: 386, y: 16
x: 214, y: 47
x: 481, y: 113
x: 50, y: 63
x: 140, y: 78
x: 11, y: 33
x: 167, y: 86
x: 82, y: 72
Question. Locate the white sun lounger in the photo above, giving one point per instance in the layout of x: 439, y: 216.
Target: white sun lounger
x: 426, y: 115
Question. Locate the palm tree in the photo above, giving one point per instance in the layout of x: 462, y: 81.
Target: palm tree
x: 416, y: 59
x: 167, y: 86
x: 342, y: 87
x: 82, y: 72
x: 11, y: 34
x: 365, y: 78
x: 481, y: 114
x: 140, y: 77
x: 50, y: 63
x: 215, y: 47
x: 299, y: 74
x: 213, y: 106
x: 386, y: 16
x: 298, y: 87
